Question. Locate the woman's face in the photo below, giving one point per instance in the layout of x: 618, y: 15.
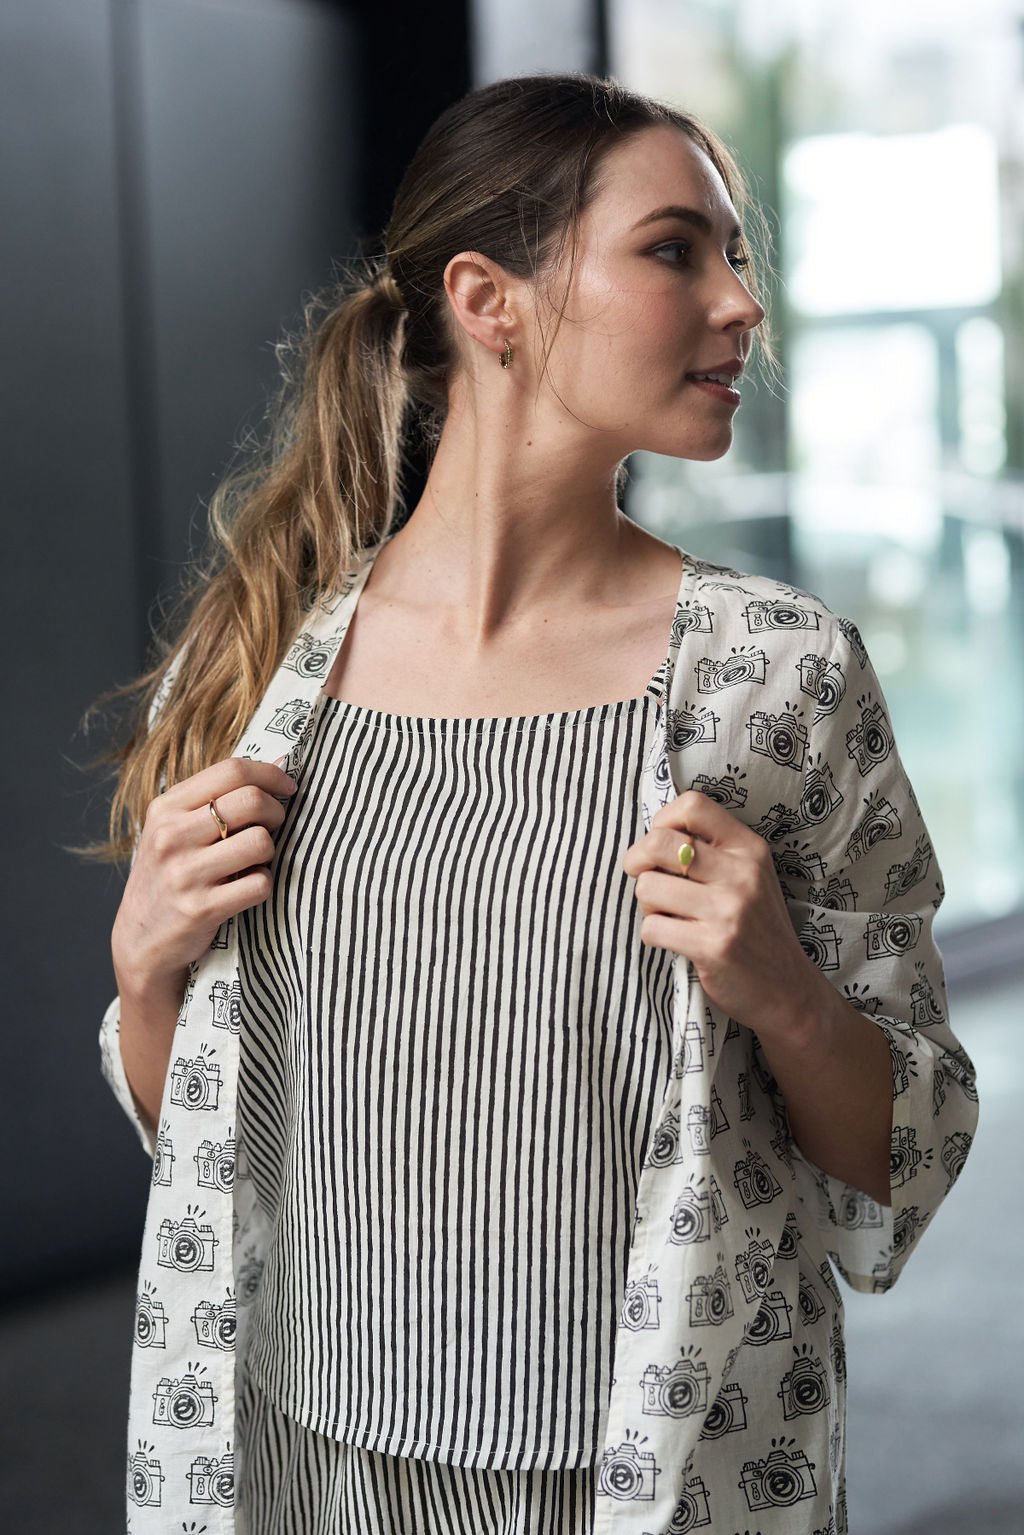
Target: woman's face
x: 654, y: 301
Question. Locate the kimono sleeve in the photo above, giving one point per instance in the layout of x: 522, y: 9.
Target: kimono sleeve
x: 111, y: 1063
x: 863, y: 884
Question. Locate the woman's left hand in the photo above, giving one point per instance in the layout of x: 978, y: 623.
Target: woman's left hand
x: 727, y: 913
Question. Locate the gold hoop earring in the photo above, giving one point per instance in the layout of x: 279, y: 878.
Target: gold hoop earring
x: 505, y: 357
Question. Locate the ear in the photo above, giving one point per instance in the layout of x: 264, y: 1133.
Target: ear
x: 482, y: 296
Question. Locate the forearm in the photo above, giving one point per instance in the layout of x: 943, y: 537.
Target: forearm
x: 149, y: 1017
x: 834, y: 1071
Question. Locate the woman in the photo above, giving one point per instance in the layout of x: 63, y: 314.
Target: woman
x: 539, y: 1171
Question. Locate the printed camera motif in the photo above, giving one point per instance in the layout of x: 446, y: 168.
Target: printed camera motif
x: 195, y: 1084
x: 212, y: 1481
x: 954, y: 1154
x: 710, y: 1299
x: 676, y: 1391
x: 185, y: 1246
x: 804, y: 1389
x: 754, y: 1267
x: 811, y: 1308
x: 692, y: 725
x: 820, y: 942
x: 765, y: 614
x: 728, y: 1414
x: 215, y: 1325
x: 309, y: 657
x: 924, y: 1006
x: 289, y: 718
x: 837, y: 895
x: 150, y: 1322
x: 879, y: 821
x: 755, y: 1181
x: 641, y: 1307
x: 778, y: 822
x: 905, y: 1228
x: 902, y: 877
x: 666, y: 1149
x: 227, y: 1005
x: 781, y: 1479
x: 870, y: 741
x: 693, y: 1511
x: 250, y: 1272
x: 857, y: 1211
x: 184, y: 1403
x: 820, y: 796
x: 145, y: 1478
x: 772, y: 1321
x: 692, y: 618
x: 892, y: 934
x: 904, y: 1156
x: 779, y: 737
x: 725, y: 791
x: 627, y: 1473
x: 163, y: 1157
x: 742, y: 666
x: 216, y: 1165
x: 823, y: 681
x: 692, y: 1219
x: 222, y: 937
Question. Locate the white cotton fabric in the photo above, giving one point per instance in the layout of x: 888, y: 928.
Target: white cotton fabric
x: 726, y: 1407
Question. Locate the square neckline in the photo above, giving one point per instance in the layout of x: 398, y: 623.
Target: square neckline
x: 588, y: 714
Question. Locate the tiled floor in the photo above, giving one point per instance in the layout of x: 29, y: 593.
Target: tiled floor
x: 936, y: 1422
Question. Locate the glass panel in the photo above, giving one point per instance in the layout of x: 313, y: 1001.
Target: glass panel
x: 887, y: 475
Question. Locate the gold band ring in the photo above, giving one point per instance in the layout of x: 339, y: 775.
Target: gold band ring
x: 222, y: 825
x: 687, y: 853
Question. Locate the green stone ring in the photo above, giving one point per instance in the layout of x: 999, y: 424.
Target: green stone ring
x: 687, y: 852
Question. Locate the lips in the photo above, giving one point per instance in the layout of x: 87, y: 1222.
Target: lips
x: 725, y: 379
x: 722, y: 373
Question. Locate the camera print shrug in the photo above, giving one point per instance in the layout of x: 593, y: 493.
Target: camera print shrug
x: 727, y: 1408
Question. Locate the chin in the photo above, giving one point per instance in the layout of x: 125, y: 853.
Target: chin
x: 703, y: 452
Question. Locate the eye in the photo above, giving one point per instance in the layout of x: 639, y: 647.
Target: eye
x: 737, y: 262
x: 675, y: 245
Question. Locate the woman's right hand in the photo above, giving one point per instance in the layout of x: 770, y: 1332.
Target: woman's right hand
x: 187, y: 879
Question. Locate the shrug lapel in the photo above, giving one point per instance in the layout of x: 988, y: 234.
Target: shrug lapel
x: 204, y: 1243
x: 684, y: 1313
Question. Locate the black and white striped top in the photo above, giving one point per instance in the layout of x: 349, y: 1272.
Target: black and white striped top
x: 455, y: 1048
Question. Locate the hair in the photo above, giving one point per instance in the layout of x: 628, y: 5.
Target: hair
x: 507, y: 170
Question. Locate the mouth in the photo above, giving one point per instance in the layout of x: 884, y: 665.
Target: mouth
x: 719, y: 385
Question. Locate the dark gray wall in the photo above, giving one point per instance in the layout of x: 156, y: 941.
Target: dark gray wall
x: 174, y: 175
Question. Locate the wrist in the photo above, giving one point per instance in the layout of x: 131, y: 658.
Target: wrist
x: 805, y: 1028
x: 147, y: 991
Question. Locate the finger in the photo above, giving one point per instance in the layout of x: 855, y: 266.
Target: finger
x: 673, y: 896
x: 251, y: 848
x: 695, y: 812
x: 224, y: 777
x: 239, y: 808
x: 660, y: 850
x: 248, y: 888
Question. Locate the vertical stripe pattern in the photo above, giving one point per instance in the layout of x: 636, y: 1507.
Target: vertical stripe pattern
x: 455, y: 1049
x: 293, y: 1481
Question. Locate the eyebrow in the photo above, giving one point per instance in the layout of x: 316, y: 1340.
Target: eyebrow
x: 687, y: 216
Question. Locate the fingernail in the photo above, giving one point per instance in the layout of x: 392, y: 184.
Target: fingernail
x: 280, y: 761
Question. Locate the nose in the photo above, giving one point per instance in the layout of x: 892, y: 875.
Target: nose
x: 734, y: 307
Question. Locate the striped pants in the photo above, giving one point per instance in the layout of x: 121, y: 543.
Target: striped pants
x: 292, y: 1481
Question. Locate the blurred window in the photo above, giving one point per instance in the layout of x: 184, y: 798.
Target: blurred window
x: 887, y: 475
